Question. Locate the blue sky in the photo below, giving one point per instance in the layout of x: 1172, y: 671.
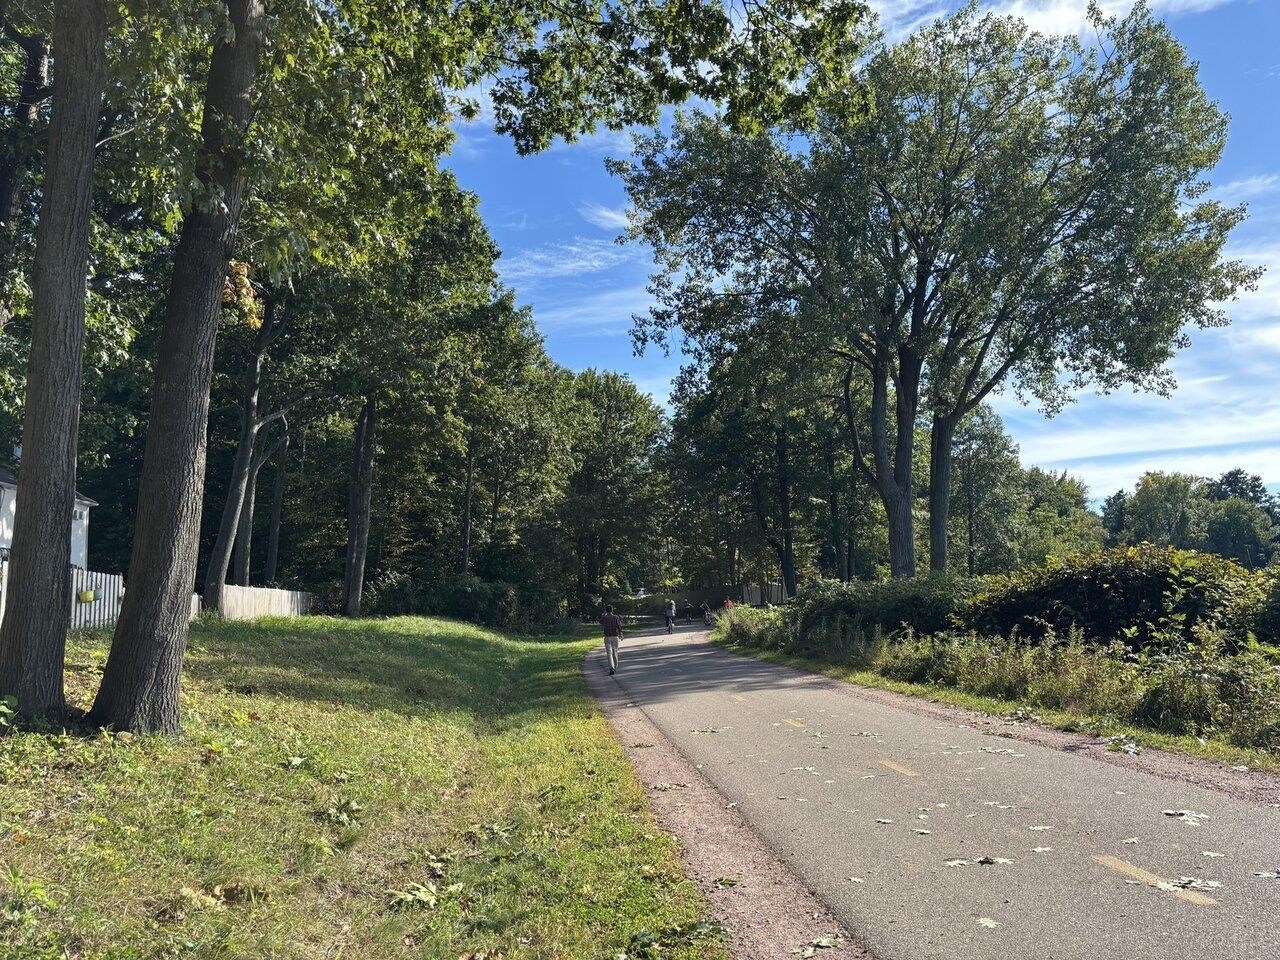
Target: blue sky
x: 556, y: 216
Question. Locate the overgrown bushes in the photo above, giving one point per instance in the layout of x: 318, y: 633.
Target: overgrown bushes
x: 1165, y: 639
x: 1127, y: 593
x: 488, y: 602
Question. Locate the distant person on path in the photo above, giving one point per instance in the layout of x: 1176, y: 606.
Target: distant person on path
x: 670, y: 614
x: 728, y: 602
x: 688, y: 612
x: 612, y: 624
x: 706, y: 613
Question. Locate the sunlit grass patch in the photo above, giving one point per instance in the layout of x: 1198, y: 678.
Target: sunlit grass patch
x: 407, y: 787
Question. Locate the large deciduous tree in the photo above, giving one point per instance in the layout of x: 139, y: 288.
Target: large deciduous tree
x: 564, y: 70
x: 1017, y: 210
x: 38, y: 607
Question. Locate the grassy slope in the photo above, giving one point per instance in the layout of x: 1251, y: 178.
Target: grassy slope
x: 328, y: 763
x: 1061, y: 719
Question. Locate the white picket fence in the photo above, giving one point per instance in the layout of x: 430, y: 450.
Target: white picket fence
x: 757, y: 595
x: 95, y: 597
x: 249, y: 603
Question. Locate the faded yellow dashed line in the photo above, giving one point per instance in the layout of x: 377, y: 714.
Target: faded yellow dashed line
x: 905, y: 771
x: 795, y: 723
x: 1137, y: 873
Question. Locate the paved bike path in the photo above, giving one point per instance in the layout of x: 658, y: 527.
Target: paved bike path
x: 930, y: 839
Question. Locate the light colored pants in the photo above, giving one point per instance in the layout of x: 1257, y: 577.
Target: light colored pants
x: 611, y: 650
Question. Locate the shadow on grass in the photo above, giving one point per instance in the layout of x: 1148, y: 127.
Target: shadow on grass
x: 406, y: 665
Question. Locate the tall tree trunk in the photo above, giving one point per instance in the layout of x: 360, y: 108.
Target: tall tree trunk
x: 229, y: 525
x: 20, y: 152
x: 244, y: 529
x: 787, y: 556
x: 466, y: 501
x: 277, y: 508
x: 891, y: 470
x: 941, y: 442
x: 359, y: 501
x: 38, y: 612
x: 139, y: 689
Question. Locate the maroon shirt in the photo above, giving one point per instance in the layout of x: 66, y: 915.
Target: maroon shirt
x: 612, y: 624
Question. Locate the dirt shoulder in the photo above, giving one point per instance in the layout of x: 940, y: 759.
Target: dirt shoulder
x: 768, y: 913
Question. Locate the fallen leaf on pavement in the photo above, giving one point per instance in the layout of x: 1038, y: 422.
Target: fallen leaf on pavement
x: 1042, y: 849
x: 988, y: 922
x: 1190, y: 817
x: 813, y: 946
x: 1131, y: 840
x: 1210, y: 853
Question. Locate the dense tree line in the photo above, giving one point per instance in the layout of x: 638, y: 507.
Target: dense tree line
x: 1018, y: 212
x: 271, y: 172
x: 243, y: 303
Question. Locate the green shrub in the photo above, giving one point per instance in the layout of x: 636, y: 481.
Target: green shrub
x: 1127, y: 593
x: 762, y: 629
x: 859, y: 614
x: 1266, y: 620
x: 1196, y: 687
x: 920, y: 659
x: 490, y: 603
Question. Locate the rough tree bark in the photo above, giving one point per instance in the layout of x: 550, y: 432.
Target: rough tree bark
x: 890, y: 474
x: 941, y: 438
x: 359, y: 500
x: 38, y: 611
x: 139, y: 689
x: 277, y: 509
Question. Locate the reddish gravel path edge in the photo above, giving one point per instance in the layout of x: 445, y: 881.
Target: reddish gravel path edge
x: 769, y: 913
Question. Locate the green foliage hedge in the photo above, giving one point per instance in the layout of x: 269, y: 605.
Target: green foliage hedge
x: 1129, y: 593
x: 491, y: 603
x: 1162, y: 638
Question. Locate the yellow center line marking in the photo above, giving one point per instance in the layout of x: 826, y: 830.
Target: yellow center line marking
x: 740, y: 698
x: 905, y: 771
x: 1137, y: 873
x: 795, y: 723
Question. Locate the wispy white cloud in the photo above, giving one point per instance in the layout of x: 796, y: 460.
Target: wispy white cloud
x: 570, y: 258
x: 1246, y: 188
x: 600, y: 313
x: 606, y: 218
x: 900, y: 17
x: 1262, y: 303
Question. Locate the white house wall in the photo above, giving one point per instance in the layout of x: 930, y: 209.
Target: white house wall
x: 79, y: 526
x: 7, y: 500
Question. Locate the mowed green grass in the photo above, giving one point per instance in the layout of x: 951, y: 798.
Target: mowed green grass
x: 345, y: 789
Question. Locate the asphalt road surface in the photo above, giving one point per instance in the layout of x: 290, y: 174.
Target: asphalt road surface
x: 929, y: 839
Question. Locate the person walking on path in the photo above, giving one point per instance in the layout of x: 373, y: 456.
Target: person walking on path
x: 670, y: 615
x: 612, y: 625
